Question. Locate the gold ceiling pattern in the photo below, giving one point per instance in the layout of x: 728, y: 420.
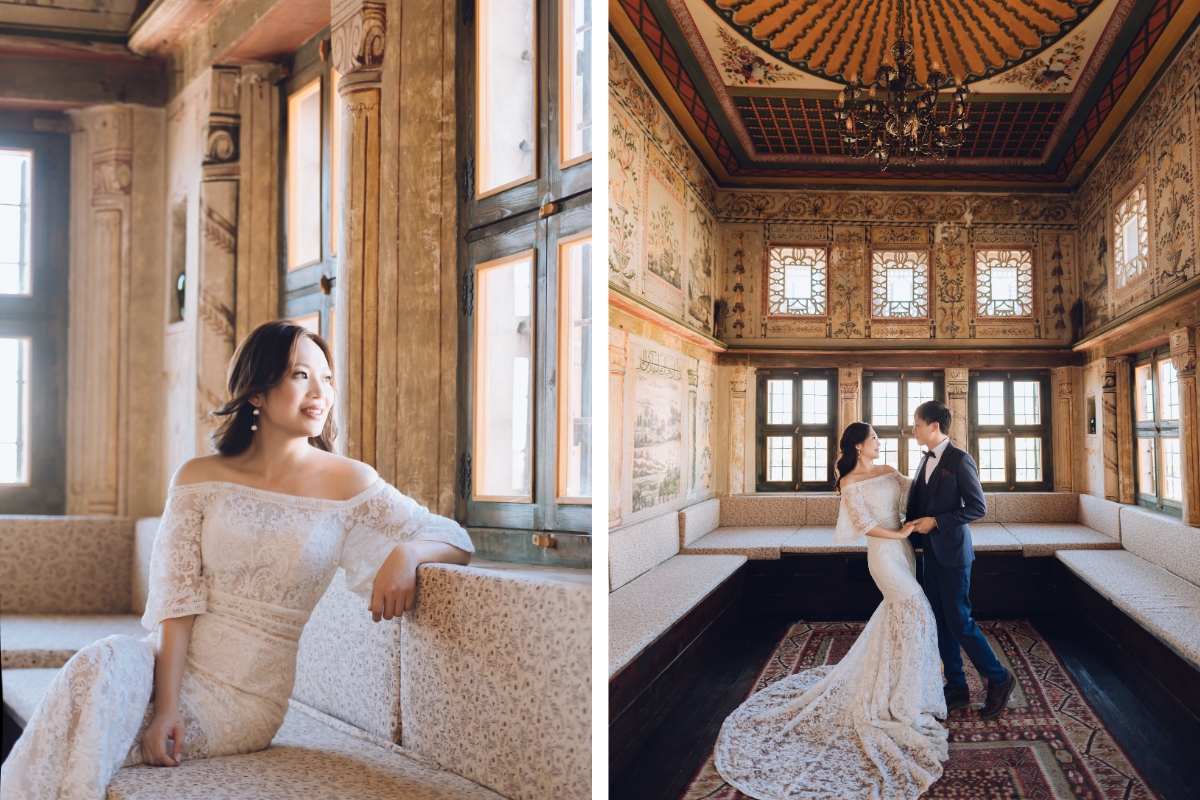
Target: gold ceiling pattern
x: 836, y: 39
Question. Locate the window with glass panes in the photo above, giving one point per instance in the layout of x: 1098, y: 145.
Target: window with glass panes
x: 900, y: 284
x: 796, y: 280
x: 796, y: 430
x: 1009, y: 422
x: 889, y: 401
x: 526, y: 306
x: 1156, y: 414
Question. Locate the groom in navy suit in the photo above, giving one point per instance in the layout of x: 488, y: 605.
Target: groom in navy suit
x: 945, y: 496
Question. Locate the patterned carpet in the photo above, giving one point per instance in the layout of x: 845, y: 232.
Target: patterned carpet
x: 1049, y: 744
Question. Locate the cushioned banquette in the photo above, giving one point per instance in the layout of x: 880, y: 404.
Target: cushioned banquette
x: 482, y: 690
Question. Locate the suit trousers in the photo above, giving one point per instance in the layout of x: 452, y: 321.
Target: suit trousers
x: 948, y: 590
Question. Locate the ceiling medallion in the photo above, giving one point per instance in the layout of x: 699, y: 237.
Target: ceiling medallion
x: 905, y: 122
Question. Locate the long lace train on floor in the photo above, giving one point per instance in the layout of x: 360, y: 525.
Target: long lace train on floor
x: 866, y: 728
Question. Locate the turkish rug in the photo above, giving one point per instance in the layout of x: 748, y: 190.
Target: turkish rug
x: 1049, y: 744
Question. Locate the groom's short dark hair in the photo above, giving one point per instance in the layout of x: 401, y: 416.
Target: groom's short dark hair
x: 934, y: 411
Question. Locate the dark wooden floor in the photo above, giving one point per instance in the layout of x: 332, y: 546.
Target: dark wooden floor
x: 687, y: 726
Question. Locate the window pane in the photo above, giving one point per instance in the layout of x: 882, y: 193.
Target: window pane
x: 1145, y: 457
x: 814, y: 465
x: 1168, y: 384
x: 918, y: 392
x: 304, y: 176
x: 991, y: 460
x: 899, y: 284
x: 503, y: 465
x: 1027, y: 408
x: 14, y: 410
x: 914, y: 458
x: 889, y: 453
x: 577, y: 78
x: 310, y: 322
x: 1143, y: 389
x: 16, y: 168
x: 779, y: 402
x: 1004, y: 283
x: 779, y: 458
x: 575, y: 360
x: 507, y: 77
x: 1028, y: 450
x: 814, y: 400
x: 1171, y: 470
x: 885, y: 403
x: 991, y: 402
x: 797, y: 280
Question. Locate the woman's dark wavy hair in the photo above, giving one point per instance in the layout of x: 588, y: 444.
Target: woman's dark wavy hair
x: 260, y: 364
x: 855, y: 434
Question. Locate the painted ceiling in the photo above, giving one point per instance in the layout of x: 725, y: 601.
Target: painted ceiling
x: 71, y: 16
x: 756, y: 79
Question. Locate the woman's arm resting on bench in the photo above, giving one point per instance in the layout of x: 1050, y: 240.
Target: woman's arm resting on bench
x: 173, y: 636
x: 395, y: 586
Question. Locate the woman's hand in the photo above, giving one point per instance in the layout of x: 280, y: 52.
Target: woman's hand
x: 907, y: 529
x: 167, y: 724
x: 395, y: 586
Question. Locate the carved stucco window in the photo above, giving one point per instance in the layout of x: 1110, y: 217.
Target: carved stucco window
x: 1004, y: 283
x: 1131, y: 238
x: 900, y: 284
x: 797, y: 279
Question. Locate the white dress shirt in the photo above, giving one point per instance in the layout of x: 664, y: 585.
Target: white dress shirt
x: 930, y: 463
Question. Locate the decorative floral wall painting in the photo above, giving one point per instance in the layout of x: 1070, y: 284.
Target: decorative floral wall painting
x: 657, y: 427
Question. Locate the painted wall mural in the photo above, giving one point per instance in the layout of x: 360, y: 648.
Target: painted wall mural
x: 658, y: 380
x: 662, y: 205
x: 1158, y: 145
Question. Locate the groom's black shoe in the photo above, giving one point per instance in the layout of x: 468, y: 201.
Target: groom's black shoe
x: 957, y: 698
x: 997, y: 697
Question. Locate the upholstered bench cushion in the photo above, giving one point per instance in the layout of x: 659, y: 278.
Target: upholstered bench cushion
x: 1162, y: 540
x: 643, y: 610
x: 40, y: 556
x: 1024, y: 507
x: 33, y: 641
x: 24, y: 690
x: 698, y: 520
x: 348, y: 666
x: 1100, y: 515
x: 1162, y: 603
x: 818, y: 540
x: 496, y: 676
x: 312, y: 757
x: 639, y: 548
x: 1045, y: 539
x: 756, y: 544
x: 763, y: 511
x: 821, y: 510
x: 991, y: 537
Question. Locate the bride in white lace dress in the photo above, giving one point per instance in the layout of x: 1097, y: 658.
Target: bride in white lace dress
x: 867, y: 727
x: 250, y: 540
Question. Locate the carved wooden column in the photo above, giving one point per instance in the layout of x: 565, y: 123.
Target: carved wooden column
x: 1108, y: 428
x: 738, y: 378
x: 1065, y: 436
x: 217, y: 269
x: 957, y: 384
x: 1183, y: 354
x: 617, y: 360
x: 849, y: 394
x: 358, y: 45
x: 1126, y: 469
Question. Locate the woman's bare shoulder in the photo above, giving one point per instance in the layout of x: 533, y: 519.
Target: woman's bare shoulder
x: 346, y: 476
x: 878, y: 472
x: 200, y: 470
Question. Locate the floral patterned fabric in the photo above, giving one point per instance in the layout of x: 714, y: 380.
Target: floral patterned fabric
x: 868, y: 727
x: 252, y: 565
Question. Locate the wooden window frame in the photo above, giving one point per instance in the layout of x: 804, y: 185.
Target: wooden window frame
x: 766, y: 294
x: 481, y: 124
x: 563, y: 396
x: 1154, y: 428
x: 1010, y: 431
x: 566, y: 33
x: 796, y: 430
x: 902, y: 431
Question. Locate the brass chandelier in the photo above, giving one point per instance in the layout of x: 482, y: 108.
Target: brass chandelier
x: 904, y: 122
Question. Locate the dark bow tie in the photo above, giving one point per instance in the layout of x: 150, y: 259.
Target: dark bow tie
x: 932, y: 456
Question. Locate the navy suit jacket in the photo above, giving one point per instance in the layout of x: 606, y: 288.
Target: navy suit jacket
x: 954, y: 498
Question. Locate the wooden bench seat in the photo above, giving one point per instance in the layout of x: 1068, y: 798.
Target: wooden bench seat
x: 34, y: 641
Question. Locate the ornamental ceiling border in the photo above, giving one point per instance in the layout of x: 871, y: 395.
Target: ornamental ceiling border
x: 962, y: 210
x: 639, y: 18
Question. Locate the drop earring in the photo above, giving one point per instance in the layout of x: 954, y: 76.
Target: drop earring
x: 254, y: 427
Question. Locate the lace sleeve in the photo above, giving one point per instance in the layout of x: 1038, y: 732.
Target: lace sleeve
x: 386, y: 519
x: 176, y: 589
x: 854, y: 516
x: 905, y: 484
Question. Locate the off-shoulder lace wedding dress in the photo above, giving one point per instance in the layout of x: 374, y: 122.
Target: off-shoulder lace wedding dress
x: 868, y: 727
x: 252, y: 565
